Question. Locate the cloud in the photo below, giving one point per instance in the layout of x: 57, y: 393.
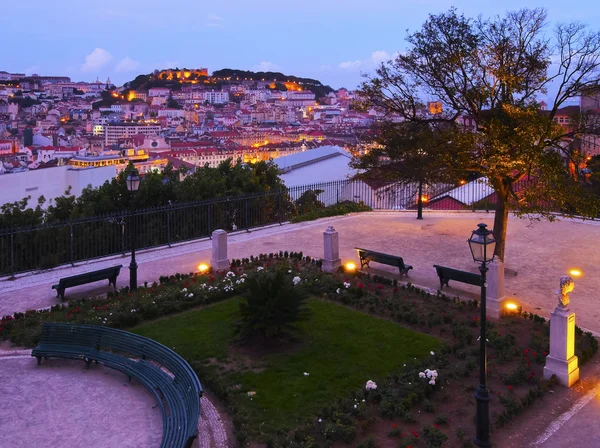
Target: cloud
x: 377, y: 57
x: 380, y: 56
x: 96, y: 60
x: 214, y: 21
x: 266, y: 66
x: 127, y: 65
x: 351, y: 65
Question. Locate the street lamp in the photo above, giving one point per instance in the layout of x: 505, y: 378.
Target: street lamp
x: 133, y: 184
x: 483, y: 247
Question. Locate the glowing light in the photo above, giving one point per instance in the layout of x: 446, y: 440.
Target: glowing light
x: 511, y: 306
x: 350, y: 266
x: 202, y: 268
x: 462, y: 182
x: 424, y: 198
x: 575, y: 273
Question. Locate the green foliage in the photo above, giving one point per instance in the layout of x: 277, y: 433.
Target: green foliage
x: 369, y: 443
x: 313, y: 85
x: 112, y: 197
x: 309, y: 202
x: 342, y: 347
x: 410, y: 152
x: 272, y: 306
x: 172, y: 103
x: 341, y: 208
x: 513, y: 407
x: 434, y: 437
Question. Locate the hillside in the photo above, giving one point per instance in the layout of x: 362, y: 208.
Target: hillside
x: 176, y: 78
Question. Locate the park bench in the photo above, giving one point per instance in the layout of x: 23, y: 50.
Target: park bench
x: 446, y: 274
x: 177, y: 389
x: 109, y: 274
x: 366, y: 256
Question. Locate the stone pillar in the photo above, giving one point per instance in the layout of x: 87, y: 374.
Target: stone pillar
x: 331, y: 258
x: 495, y: 289
x: 562, y: 361
x: 219, y: 259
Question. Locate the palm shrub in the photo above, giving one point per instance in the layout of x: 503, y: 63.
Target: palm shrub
x: 271, y: 306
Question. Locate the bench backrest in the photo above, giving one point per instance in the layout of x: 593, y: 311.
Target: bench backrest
x: 132, y: 346
x: 458, y: 275
x: 89, y: 277
x: 381, y: 257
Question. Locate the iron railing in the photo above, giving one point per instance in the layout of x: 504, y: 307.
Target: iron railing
x: 46, y: 246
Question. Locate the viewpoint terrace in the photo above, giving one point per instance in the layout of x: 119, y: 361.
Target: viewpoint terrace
x: 537, y: 253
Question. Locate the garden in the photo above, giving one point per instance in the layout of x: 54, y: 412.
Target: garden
x: 303, y: 358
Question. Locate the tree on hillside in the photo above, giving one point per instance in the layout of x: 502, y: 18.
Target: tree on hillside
x: 493, y: 71
x: 411, y: 154
x: 172, y: 103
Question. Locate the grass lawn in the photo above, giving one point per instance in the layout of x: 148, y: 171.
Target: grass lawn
x: 341, y: 350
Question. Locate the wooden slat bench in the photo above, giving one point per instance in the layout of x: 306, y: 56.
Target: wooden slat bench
x: 446, y: 274
x: 177, y: 389
x: 366, y: 256
x: 109, y: 274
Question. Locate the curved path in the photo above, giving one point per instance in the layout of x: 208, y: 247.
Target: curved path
x: 61, y: 404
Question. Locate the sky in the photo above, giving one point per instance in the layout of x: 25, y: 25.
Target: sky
x: 335, y: 41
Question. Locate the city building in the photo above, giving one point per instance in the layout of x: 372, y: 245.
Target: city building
x: 115, y: 131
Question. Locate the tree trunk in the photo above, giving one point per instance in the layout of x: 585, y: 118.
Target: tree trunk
x: 501, y: 217
x: 420, y: 202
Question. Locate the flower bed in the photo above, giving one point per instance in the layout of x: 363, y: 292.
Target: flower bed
x: 411, y: 405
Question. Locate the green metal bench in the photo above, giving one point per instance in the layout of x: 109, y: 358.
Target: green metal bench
x: 446, y: 274
x: 109, y: 274
x: 163, y: 372
x: 366, y: 256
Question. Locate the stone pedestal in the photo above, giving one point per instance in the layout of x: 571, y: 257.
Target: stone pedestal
x: 495, y: 289
x: 331, y: 256
x: 562, y: 361
x: 219, y: 259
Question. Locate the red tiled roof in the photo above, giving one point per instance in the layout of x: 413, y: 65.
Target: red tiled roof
x: 225, y: 134
x: 190, y: 144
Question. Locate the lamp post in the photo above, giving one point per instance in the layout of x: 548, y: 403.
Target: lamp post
x: 133, y: 184
x: 483, y: 246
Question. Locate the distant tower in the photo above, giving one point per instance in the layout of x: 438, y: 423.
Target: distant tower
x: 108, y: 83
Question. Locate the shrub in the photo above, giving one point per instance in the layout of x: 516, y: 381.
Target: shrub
x: 518, y: 375
x: 369, y: 443
x: 434, y: 437
x: 341, y: 208
x: 271, y: 305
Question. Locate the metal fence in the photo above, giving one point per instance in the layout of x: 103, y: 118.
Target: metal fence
x: 47, y: 246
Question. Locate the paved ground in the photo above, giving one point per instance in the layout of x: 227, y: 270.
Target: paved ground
x: 60, y: 404
x: 537, y: 255
x: 576, y: 427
